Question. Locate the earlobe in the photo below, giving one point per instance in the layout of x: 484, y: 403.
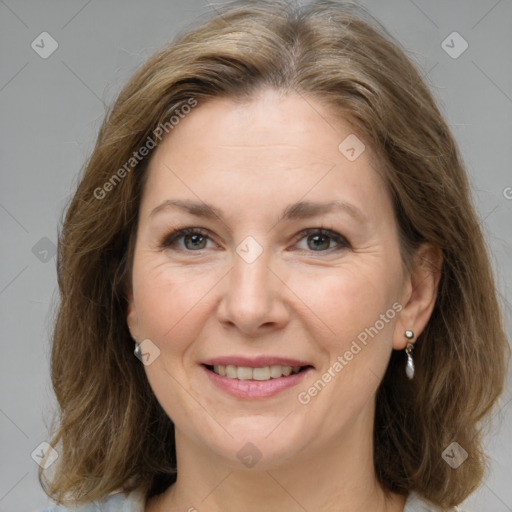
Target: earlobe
x: 420, y: 293
x: 131, y: 320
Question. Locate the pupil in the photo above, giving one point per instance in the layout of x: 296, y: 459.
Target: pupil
x: 320, y: 245
x: 195, y: 239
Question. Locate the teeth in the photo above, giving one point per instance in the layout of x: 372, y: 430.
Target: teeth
x: 247, y: 373
x: 230, y: 371
x: 275, y: 371
x: 261, y: 373
x: 287, y: 370
x: 244, y: 373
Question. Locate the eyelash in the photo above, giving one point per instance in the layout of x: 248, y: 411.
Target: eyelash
x: 171, y: 238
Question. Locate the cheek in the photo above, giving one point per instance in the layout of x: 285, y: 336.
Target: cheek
x: 347, y: 300
x: 169, y: 301
x: 357, y: 342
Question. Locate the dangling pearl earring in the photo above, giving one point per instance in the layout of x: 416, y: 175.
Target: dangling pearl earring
x: 138, y: 351
x: 409, y: 367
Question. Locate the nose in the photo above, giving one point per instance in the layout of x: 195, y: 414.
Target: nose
x: 254, y: 298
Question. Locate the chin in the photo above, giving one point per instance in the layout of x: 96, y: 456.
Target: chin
x: 259, y: 442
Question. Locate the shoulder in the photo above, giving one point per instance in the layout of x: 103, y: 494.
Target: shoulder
x: 116, y: 502
x: 416, y: 504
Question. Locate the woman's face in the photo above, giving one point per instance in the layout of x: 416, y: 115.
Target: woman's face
x: 261, y: 288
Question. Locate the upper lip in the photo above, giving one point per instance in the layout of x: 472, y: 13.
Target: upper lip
x: 255, y: 362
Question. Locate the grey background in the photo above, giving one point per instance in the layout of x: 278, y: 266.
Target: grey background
x: 51, y: 109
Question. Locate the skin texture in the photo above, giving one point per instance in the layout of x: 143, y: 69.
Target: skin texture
x: 251, y: 161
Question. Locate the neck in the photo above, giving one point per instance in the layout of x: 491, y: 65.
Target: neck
x: 339, y: 476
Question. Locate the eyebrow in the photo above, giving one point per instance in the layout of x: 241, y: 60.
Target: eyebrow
x: 298, y: 210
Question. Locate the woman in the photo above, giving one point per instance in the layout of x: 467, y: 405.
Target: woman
x: 277, y: 214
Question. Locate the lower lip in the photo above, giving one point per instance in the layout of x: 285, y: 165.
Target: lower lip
x: 255, y: 388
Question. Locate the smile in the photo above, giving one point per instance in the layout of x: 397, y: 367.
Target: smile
x: 261, y: 373
x: 260, y: 377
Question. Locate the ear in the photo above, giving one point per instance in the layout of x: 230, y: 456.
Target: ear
x: 419, y: 294
x: 131, y: 313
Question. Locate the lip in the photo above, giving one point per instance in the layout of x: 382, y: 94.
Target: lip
x: 255, y: 362
x: 255, y: 389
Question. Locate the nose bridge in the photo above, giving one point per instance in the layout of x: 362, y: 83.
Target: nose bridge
x: 250, y: 275
x: 252, y: 297
x: 251, y: 285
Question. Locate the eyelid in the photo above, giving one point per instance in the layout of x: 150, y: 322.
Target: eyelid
x: 181, y: 232
x: 334, y: 235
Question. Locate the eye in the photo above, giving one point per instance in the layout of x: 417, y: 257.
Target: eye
x: 195, y: 239
x: 320, y: 240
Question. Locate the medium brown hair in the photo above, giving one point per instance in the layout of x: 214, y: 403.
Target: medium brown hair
x: 111, y: 432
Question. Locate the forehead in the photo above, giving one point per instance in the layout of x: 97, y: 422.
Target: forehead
x: 274, y: 148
